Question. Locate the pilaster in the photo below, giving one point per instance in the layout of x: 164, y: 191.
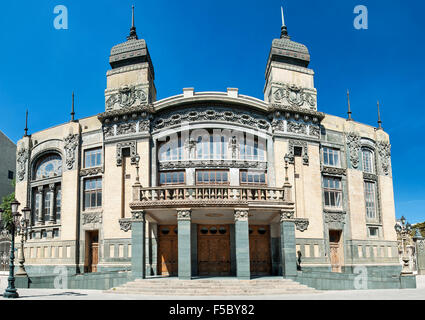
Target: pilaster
x: 138, y: 252
x: 242, y: 244
x: 184, y: 244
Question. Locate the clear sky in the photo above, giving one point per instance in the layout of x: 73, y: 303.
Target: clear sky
x: 214, y: 44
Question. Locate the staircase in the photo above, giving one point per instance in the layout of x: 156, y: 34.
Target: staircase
x: 212, y: 287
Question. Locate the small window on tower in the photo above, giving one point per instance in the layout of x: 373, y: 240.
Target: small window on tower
x: 298, y: 151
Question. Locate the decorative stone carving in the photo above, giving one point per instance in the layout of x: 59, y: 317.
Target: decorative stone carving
x: 384, y: 151
x: 241, y: 214
x: 334, y: 171
x: 286, y: 215
x: 294, y: 96
x: 70, y: 144
x: 216, y: 114
x: 314, y: 130
x: 125, y: 224
x: 22, y: 160
x: 297, y: 127
x: 126, y: 97
x: 138, y: 215
x: 92, y: 217
x: 353, y: 143
x: 301, y: 224
x: 338, y: 217
x: 133, y: 152
x: 296, y: 143
x: 91, y: 171
x: 212, y: 164
x: 370, y: 176
x: 184, y: 214
x: 126, y: 128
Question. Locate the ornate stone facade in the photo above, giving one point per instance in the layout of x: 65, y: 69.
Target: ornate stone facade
x: 70, y: 145
x: 22, y: 158
x: 353, y: 143
x: 133, y: 152
x: 126, y: 97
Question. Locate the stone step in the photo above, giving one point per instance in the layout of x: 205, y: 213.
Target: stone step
x: 212, y: 286
x: 211, y: 292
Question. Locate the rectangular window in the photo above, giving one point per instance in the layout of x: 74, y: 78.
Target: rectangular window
x: 373, y: 232
x: 58, y: 203
x: 333, y: 192
x: 331, y: 157
x: 10, y: 175
x: 93, y: 193
x: 252, y: 177
x: 172, y: 177
x: 212, y: 177
x: 370, y: 200
x: 93, y: 158
x: 47, y: 206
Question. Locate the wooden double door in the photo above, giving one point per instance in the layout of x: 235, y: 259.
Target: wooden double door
x: 259, y: 250
x: 92, y: 257
x: 214, y: 250
x: 167, y: 250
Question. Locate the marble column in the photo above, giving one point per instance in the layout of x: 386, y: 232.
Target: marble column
x: 242, y: 244
x: 52, y: 203
x: 39, y: 195
x: 287, y: 243
x: 184, y: 244
x: 138, y: 248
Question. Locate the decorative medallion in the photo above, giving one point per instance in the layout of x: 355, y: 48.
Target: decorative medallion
x: 384, y: 151
x: 125, y: 98
x: 353, y: 143
x: 70, y: 144
x: 125, y: 224
x: 92, y: 217
x: 22, y: 160
x: 301, y: 224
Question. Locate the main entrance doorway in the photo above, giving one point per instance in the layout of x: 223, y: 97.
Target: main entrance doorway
x: 213, y: 250
x: 167, y: 250
x: 92, y: 256
x: 259, y: 250
x: 335, y: 250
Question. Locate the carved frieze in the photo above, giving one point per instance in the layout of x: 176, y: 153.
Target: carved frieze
x: 294, y: 96
x: 314, y: 130
x: 354, y: 145
x: 169, y: 165
x: 138, y: 215
x: 334, y: 171
x: 92, y: 217
x: 126, y: 97
x: 22, y: 161
x: 216, y: 114
x: 297, y: 127
x: 125, y: 128
x: 384, y: 151
x: 91, y: 171
x: 241, y: 214
x: 338, y: 217
x: 370, y: 176
x: 122, y: 145
x: 70, y: 145
x: 184, y: 214
x: 286, y: 215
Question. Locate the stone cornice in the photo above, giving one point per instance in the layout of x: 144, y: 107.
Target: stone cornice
x: 133, y: 112
x: 292, y: 111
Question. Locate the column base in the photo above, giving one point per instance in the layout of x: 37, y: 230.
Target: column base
x: 11, y: 294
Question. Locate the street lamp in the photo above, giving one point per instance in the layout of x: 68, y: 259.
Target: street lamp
x: 23, y: 232
x: 137, y: 168
x: 403, y: 229
x: 11, y: 291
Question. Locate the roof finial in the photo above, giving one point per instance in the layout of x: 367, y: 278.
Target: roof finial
x: 349, y: 106
x: 133, y: 34
x: 284, y: 30
x: 26, y: 124
x: 379, y: 119
x: 72, y: 108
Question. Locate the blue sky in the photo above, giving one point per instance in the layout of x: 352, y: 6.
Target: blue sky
x: 214, y: 44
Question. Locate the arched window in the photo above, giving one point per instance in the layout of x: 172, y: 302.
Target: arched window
x: 367, y: 157
x: 49, y: 166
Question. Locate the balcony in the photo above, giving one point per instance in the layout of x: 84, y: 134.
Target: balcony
x: 210, y: 195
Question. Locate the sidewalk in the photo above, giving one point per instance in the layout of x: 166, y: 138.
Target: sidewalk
x: 71, y: 294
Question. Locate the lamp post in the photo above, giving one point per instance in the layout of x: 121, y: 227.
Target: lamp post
x: 11, y: 291
x: 403, y: 229
x: 23, y: 232
x: 137, y: 168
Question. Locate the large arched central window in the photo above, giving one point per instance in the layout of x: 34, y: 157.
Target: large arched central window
x: 48, y: 167
x: 46, y: 190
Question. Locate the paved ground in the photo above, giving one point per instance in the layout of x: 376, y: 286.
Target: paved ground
x: 50, y: 294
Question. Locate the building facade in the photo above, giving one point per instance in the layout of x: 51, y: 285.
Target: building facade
x: 7, y: 165
x: 209, y: 183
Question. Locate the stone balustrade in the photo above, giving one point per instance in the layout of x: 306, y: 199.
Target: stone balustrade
x: 209, y: 193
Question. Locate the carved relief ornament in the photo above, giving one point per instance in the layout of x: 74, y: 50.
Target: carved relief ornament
x: 184, y: 214
x: 384, y: 151
x: 241, y: 214
x: 70, y: 144
x: 22, y: 160
x: 125, y: 98
x: 294, y: 96
x: 354, y: 145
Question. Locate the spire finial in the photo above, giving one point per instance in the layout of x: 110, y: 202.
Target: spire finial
x: 72, y: 108
x: 284, y: 30
x: 26, y: 124
x: 349, y: 106
x: 133, y: 34
x: 379, y: 119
